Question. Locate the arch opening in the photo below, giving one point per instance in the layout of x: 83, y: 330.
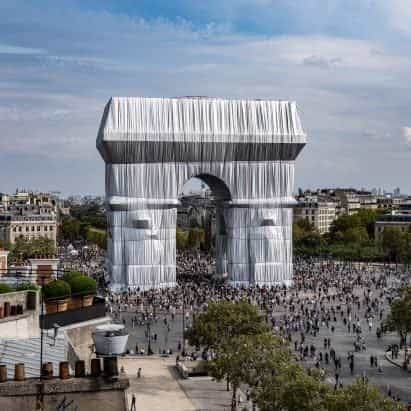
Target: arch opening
x: 219, y: 189
x: 200, y: 227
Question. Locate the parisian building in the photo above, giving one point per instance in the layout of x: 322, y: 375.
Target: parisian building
x: 319, y: 211
x: 29, y: 215
x: 400, y: 218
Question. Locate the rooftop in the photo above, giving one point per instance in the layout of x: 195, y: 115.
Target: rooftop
x: 395, y: 217
x: 214, y: 119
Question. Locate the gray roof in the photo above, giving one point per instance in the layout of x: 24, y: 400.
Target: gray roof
x: 395, y: 218
x: 27, y: 351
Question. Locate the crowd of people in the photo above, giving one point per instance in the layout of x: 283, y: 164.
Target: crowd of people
x: 84, y: 257
x: 192, y: 265
x: 329, y: 302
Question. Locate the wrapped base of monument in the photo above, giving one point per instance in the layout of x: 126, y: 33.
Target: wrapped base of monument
x: 244, y: 150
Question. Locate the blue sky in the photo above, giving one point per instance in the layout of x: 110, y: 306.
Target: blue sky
x: 347, y: 63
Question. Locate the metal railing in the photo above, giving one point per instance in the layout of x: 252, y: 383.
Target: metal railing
x: 63, y: 318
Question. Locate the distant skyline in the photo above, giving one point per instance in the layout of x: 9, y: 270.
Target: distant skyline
x: 346, y: 63
x: 194, y: 185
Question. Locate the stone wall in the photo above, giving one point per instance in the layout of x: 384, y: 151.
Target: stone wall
x: 80, y: 340
x: 69, y: 395
x: 17, y: 297
x: 20, y: 326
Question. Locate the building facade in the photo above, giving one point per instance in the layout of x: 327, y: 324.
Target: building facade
x: 29, y: 215
x: 3, y: 260
x: 368, y: 201
x: 27, y: 226
x: 388, y: 202
x: 400, y: 219
x: 319, y: 212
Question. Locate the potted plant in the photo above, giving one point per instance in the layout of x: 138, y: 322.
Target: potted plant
x: 75, y: 301
x: 67, y: 277
x: 57, y: 295
x: 83, y: 289
x: 27, y: 287
x: 4, y: 288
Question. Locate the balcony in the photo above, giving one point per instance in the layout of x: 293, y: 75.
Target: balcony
x: 63, y: 318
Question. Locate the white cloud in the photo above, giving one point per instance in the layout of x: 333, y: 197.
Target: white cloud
x: 51, y: 105
x: 406, y: 134
x: 8, y: 49
x: 399, y: 14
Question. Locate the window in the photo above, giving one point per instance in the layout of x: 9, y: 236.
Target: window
x: 38, y: 228
x: 45, y: 228
x: 51, y: 228
x: 32, y: 228
x: 20, y: 229
x: 14, y: 229
x: 27, y: 228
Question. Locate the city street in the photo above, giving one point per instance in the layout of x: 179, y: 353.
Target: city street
x: 389, y: 375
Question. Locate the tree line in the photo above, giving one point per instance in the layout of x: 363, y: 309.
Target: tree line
x: 86, y: 222
x: 352, y: 237
x: 24, y: 249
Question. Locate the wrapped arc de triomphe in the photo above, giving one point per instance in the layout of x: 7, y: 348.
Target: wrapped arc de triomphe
x: 244, y: 150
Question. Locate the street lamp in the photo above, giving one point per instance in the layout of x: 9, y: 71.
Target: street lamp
x: 166, y: 336
x: 148, y: 325
x: 184, y: 324
x: 41, y: 325
x: 148, y: 330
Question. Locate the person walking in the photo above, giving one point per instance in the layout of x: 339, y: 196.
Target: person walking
x: 133, y: 403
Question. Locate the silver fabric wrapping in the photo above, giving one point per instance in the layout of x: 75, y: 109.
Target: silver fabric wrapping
x: 243, y: 149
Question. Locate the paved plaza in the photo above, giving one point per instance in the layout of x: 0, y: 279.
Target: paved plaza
x: 168, y: 335
x: 161, y: 388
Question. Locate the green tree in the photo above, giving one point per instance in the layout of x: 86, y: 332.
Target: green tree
x: 70, y: 229
x: 311, y: 241
x: 239, y: 358
x: 356, y: 236
x: 181, y: 238
x: 5, y: 245
x: 303, y: 225
x: 408, y: 247
x: 361, y: 396
x: 358, y: 227
x: 97, y: 236
x: 91, y: 214
x: 289, y: 387
x: 367, y: 220
x: 223, y: 321
x: 399, y: 317
x: 306, y: 240
x: 24, y: 248
x: 195, y: 238
x: 342, y: 225
x: 394, y: 244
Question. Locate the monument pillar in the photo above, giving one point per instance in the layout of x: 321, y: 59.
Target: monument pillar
x: 259, y: 245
